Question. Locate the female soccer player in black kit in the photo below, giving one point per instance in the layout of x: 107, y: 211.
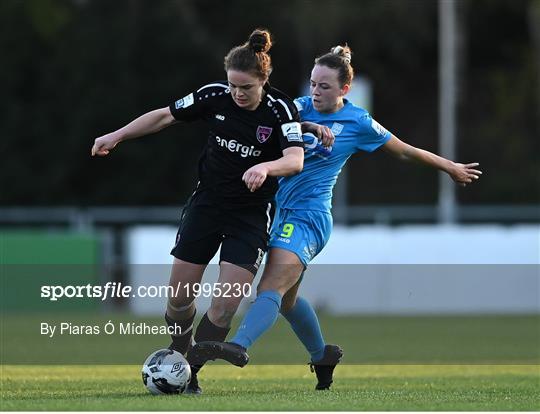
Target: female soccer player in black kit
x: 254, y: 136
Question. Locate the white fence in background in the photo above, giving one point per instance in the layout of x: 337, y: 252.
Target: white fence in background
x: 379, y: 269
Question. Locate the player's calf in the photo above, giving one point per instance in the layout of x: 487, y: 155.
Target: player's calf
x: 180, y: 321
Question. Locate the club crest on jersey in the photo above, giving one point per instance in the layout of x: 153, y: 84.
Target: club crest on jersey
x: 263, y: 133
x: 336, y: 128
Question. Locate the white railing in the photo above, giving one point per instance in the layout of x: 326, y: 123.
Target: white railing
x: 78, y: 218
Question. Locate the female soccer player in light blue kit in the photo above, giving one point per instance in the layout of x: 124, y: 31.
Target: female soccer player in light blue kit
x: 303, y: 223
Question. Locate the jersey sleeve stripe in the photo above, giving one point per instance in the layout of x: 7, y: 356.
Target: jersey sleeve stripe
x: 210, y: 85
x: 282, y: 103
x: 286, y: 108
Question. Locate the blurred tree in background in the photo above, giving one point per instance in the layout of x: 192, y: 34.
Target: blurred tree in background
x: 75, y: 69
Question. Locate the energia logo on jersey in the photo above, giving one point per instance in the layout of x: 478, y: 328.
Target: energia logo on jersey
x: 235, y: 146
x: 312, y: 145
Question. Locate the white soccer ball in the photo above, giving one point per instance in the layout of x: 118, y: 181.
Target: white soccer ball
x: 166, y: 372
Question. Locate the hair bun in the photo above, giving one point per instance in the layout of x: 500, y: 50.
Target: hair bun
x: 260, y: 41
x: 344, y: 52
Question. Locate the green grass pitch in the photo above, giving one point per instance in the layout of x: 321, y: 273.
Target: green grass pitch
x: 428, y: 363
x: 278, y: 387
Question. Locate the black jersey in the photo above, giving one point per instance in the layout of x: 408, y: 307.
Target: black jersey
x: 239, y: 139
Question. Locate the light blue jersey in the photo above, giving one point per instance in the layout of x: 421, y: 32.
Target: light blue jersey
x: 355, y: 130
x: 294, y: 228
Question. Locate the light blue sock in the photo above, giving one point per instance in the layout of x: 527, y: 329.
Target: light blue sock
x: 305, y: 325
x: 260, y: 317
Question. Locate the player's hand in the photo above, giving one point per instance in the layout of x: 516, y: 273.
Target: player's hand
x: 104, y: 144
x: 323, y: 133
x: 464, y: 174
x: 255, y: 177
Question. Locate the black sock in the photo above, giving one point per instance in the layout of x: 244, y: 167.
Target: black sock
x: 182, y: 342
x: 207, y: 331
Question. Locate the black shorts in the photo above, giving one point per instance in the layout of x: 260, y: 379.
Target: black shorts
x: 243, y: 233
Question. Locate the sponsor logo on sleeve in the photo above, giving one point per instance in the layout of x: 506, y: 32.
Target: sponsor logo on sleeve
x: 292, y: 131
x: 184, y: 102
x: 378, y: 128
x: 188, y: 100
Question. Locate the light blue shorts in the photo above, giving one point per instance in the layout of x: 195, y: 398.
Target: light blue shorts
x: 303, y: 232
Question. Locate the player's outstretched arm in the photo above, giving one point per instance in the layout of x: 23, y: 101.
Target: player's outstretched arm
x: 148, y: 123
x: 291, y: 163
x: 462, y: 174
